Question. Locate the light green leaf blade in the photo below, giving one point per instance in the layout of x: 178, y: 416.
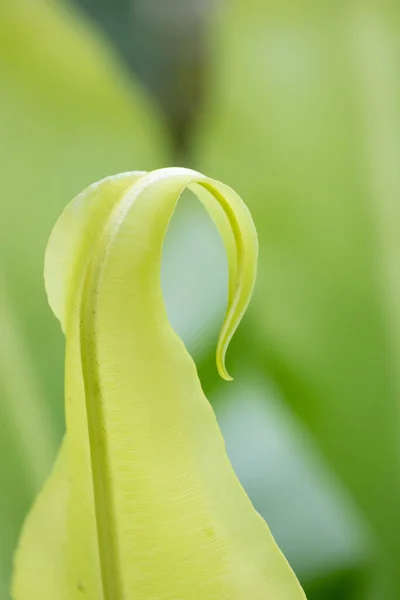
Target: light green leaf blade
x: 303, y: 119
x: 153, y: 508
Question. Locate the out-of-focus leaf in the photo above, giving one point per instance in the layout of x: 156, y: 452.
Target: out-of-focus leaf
x: 68, y: 115
x: 306, y: 94
x: 143, y: 502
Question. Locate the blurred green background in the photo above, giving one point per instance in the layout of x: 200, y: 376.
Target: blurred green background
x: 297, y: 106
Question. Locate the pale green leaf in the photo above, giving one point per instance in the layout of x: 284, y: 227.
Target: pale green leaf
x: 144, y: 500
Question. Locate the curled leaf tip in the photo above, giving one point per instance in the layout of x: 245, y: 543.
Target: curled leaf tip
x: 238, y: 232
x: 221, y: 366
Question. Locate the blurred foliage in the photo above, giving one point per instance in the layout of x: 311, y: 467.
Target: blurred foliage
x: 308, y: 94
x: 162, y: 41
x: 68, y: 116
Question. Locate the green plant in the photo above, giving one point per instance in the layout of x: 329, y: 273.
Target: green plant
x: 142, y: 502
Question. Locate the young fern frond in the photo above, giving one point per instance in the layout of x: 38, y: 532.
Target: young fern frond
x: 143, y: 503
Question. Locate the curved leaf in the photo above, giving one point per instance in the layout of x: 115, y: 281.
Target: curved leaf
x: 147, y: 503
